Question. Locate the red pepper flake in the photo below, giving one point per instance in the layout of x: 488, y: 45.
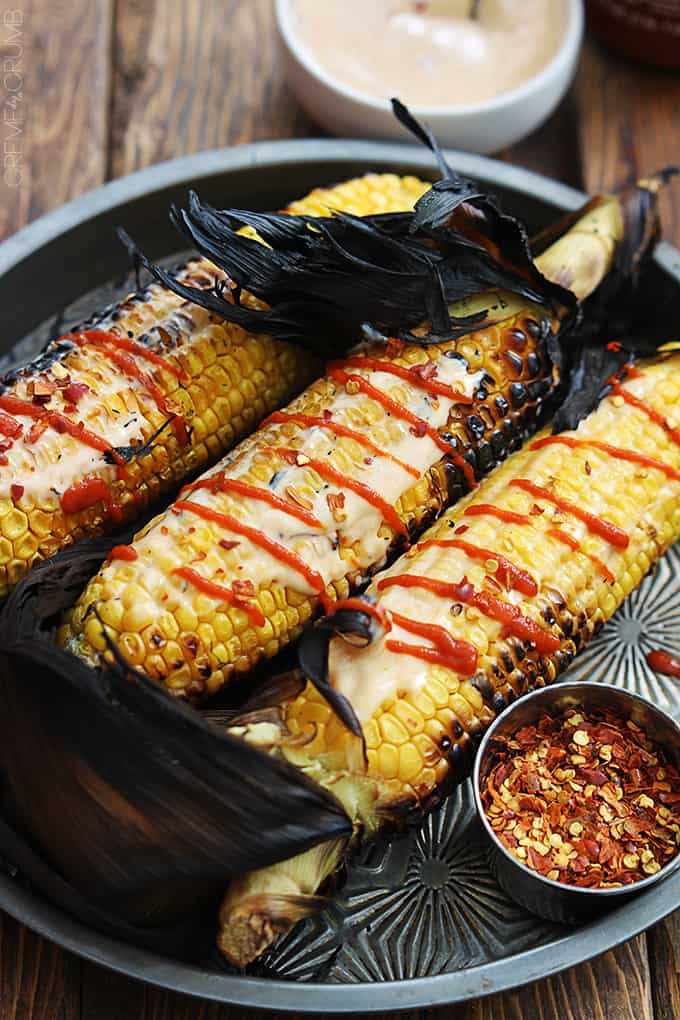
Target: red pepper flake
x: 335, y: 500
x: 537, y: 510
x: 17, y: 491
x: 461, y: 529
x: 589, y: 801
x: 426, y: 370
x: 10, y: 427
x: 243, y: 589
x: 41, y: 390
x: 36, y: 430
x: 228, y: 543
x: 75, y: 391
x: 327, y: 415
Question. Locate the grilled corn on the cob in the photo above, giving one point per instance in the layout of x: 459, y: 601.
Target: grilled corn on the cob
x: 496, y: 599
x: 153, y: 359
x: 314, y: 501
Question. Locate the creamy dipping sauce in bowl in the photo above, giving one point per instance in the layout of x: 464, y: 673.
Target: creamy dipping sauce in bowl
x: 481, y: 73
x: 431, y: 52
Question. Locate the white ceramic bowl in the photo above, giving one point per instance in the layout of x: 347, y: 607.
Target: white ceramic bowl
x: 480, y: 127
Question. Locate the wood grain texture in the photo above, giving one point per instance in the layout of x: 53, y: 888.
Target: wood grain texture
x: 629, y: 126
x: 192, y: 76
x: 37, y: 980
x: 53, y: 103
x: 552, y: 149
x: 615, y: 986
x: 108, y: 996
x: 663, y: 943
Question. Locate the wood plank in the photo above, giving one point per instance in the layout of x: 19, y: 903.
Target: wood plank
x: 107, y: 996
x: 37, y: 980
x: 551, y: 149
x: 629, y: 118
x: 53, y: 99
x: 192, y: 76
x: 663, y: 943
x: 615, y: 986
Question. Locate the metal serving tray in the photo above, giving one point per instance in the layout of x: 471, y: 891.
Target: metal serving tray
x: 420, y: 921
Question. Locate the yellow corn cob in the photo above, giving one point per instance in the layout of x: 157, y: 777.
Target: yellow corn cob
x: 420, y: 720
x: 230, y: 380
x: 194, y: 640
x: 179, y: 635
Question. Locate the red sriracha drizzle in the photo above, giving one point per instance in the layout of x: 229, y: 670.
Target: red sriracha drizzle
x: 219, y: 591
x: 617, y: 452
x: 416, y: 375
x: 573, y: 543
x: 597, y: 525
x: 488, y: 510
x: 220, y: 483
x: 663, y: 662
x: 58, y: 422
x: 280, y: 417
x: 127, y: 344
x: 332, y: 474
x: 460, y: 656
x: 123, y: 552
x: 419, y: 426
x: 257, y: 537
x: 514, y: 621
x: 508, y: 573
x: 107, y: 343
x: 87, y: 493
x: 374, y: 609
x: 619, y: 391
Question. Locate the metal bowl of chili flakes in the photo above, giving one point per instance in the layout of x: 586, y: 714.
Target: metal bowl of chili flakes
x: 578, y: 789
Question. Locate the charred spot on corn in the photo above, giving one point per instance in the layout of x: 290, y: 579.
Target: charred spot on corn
x: 151, y: 348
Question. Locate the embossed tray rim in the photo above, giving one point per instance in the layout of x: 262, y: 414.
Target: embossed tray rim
x: 50, y: 240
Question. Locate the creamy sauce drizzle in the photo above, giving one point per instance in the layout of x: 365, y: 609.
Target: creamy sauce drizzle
x: 367, y: 489
x: 116, y: 407
x: 417, y: 592
x: 431, y: 52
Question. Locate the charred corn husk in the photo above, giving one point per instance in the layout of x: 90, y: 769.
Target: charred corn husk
x: 496, y: 599
x: 317, y: 499
x: 154, y: 360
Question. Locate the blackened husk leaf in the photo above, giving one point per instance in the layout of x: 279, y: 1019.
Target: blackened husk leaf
x: 324, y: 280
x: 327, y: 282
x: 119, y: 803
x: 632, y: 307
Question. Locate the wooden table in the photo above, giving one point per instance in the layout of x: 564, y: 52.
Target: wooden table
x: 104, y: 87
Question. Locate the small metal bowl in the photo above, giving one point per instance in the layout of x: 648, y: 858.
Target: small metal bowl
x: 553, y: 900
